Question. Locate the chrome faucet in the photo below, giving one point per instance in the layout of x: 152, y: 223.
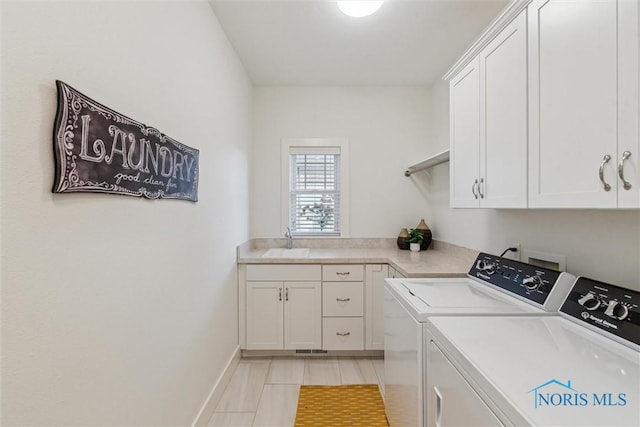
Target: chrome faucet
x: 289, y: 237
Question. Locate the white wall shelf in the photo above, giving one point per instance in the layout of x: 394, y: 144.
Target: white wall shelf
x: 428, y: 163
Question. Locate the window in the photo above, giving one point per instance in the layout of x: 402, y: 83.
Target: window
x: 315, y: 186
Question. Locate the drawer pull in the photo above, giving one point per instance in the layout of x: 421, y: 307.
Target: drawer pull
x: 339, y: 273
x: 343, y: 299
x: 343, y: 334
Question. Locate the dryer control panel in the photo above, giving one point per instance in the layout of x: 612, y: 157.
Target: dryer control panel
x: 607, y: 307
x: 540, y: 285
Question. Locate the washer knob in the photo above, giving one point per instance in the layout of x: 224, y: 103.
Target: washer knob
x: 532, y: 283
x: 589, y: 301
x: 617, y: 310
x: 487, y: 267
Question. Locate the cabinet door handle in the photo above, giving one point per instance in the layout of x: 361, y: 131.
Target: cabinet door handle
x: 605, y: 160
x: 343, y: 334
x: 625, y: 184
x: 438, y: 420
x: 280, y: 294
x: 343, y: 299
x: 480, y: 192
x: 286, y: 294
x: 339, y: 273
x: 473, y: 189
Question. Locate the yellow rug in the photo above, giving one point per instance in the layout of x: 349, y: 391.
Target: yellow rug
x: 341, y: 405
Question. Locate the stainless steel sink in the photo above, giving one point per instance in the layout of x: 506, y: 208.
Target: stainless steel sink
x: 286, y: 253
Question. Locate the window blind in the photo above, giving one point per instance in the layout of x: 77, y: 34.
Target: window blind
x: 314, y: 190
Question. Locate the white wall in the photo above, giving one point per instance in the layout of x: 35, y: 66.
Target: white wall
x: 118, y: 310
x: 387, y: 129
x: 603, y: 245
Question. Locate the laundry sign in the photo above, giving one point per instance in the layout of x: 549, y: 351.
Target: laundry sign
x: 99, y: 150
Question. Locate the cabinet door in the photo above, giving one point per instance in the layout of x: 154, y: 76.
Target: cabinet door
x: 464, y: 98
x: 264, y: 315
x: 629, y: 102
x: 374, y: 302
x: 572, y: 103
x: 448, y: 392
x: 302, y: 315
x: 503, y: 124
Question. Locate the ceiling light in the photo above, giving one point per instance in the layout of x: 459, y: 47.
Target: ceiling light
x: 359, y: 8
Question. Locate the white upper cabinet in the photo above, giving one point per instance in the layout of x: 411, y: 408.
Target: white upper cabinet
x: 503, y: 113
x: 488, y: 113
x: 464, y: 104
x: 583, y: 104
x: 628, y: 104
x: 544, y: 108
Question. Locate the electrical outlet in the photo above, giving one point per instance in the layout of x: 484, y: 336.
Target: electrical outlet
x: 515, y: 255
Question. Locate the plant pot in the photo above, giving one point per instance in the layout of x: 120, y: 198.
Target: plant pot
x: 415, y: 247
x: 403, y: 239
x: 426, y: 234
x: 427, y: 239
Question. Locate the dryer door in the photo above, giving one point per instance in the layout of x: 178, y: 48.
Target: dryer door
x: 451, y: 400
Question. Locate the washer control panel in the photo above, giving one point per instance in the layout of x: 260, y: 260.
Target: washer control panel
x: 525, y: 280
x: 608, y: 307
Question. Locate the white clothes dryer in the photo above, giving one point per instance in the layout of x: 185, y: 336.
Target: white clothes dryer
x: 581, y: 368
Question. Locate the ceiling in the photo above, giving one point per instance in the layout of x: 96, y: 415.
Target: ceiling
x: 310, y: 42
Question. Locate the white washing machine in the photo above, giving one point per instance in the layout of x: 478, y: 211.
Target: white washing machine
x: 494, y: 286
x: 581, y: 368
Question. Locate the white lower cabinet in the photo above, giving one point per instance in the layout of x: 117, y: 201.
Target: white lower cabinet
x: 312, y: 306
x: 343, y: 307
x: 374, y: 298
x: 283, y: 314
x: 448, y: 392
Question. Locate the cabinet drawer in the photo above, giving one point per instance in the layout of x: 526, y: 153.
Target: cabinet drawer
x: 343, y: 333
x: 342, y: 299
x: 283, y: 272
x: 343, y: 273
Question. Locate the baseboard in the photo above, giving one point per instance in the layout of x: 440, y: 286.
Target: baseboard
x: 330, y: 353
x: 209, y: 407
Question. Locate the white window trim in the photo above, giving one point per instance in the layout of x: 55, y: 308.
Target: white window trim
x: 285, y: 147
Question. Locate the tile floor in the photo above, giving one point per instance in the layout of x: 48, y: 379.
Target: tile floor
x: 264, y: 391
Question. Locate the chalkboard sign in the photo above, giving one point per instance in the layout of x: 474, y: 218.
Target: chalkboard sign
x: 99, y: 150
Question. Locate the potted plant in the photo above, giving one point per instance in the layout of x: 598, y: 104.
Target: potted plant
x: 415, y: 239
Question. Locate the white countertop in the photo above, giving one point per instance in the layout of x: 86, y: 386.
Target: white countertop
x: 440, y: 260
